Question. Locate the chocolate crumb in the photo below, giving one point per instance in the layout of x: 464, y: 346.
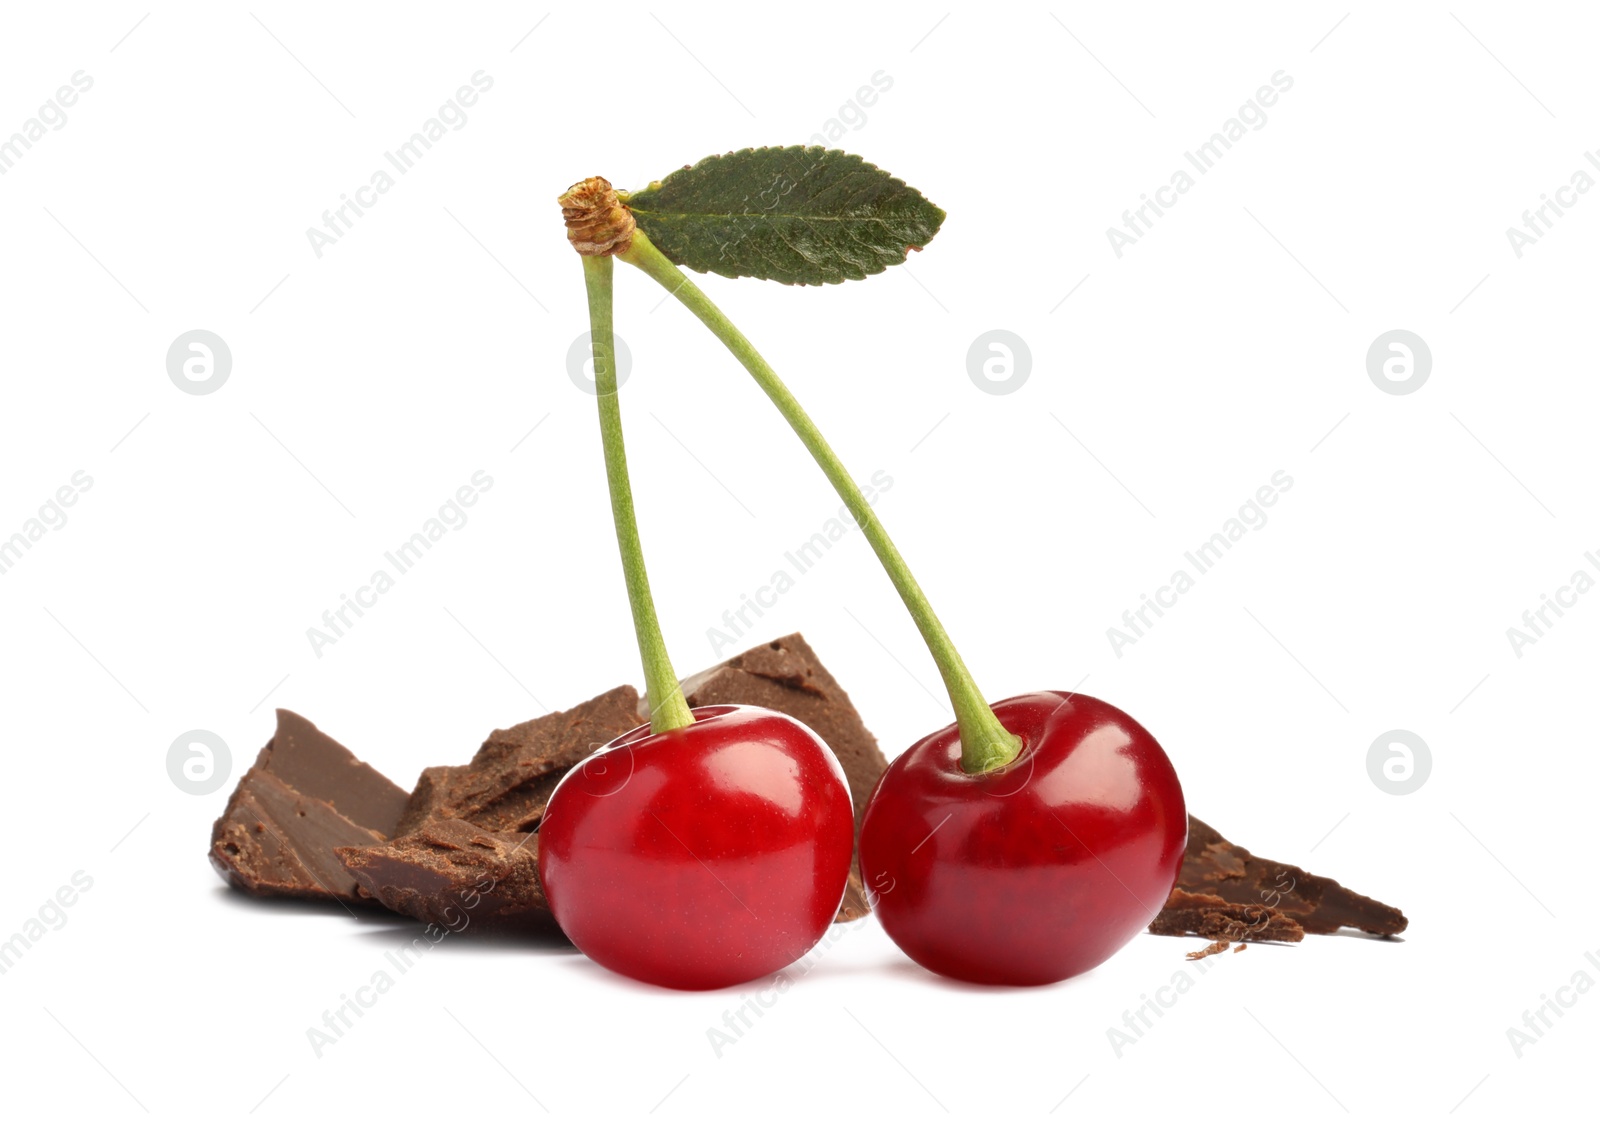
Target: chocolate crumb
x: 1216, y: 948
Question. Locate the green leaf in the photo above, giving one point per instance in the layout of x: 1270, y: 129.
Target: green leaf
x: 798, y: 215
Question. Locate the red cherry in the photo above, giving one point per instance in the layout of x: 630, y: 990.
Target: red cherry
x: 703, y: 856
x: 1039, y: 870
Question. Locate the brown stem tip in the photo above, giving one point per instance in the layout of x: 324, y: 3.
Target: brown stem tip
x: 597, y: 223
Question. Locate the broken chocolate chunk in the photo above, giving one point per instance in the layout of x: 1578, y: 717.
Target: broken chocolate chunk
x: 457, y: 876
x: 509, y: 780
x: 1225, y: 891
x: 305, y: 796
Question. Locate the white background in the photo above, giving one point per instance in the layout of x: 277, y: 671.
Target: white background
x: 369, y: 383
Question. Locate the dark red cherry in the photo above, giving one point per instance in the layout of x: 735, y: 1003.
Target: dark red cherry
x: 1039, y: 870
x: 703, y: 856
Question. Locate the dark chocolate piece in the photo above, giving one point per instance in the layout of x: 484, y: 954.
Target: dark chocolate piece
x: 455, y: 875
x: 1225, y: 890
x: 509, y: 780
x: 305, y: 796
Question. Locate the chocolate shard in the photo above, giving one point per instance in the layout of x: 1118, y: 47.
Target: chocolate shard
x: 505, y: 787
x: 786, y: 676
x: 1225, y: 891
x: 457, y: 876
x: 305, y: 796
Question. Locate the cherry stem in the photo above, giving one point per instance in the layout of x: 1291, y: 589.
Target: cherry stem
x: 668, y: 708
x: 985, y: 742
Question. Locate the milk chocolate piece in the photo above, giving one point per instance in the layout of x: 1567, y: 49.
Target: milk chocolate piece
x: 786, y: 676
x: 505, y: 787
x: 1225, y: 891
x: 305, y: 796
x: 457, y: 876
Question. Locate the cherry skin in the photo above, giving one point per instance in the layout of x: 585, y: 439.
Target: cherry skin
x: 700, y: 857
x: 1039, y: 870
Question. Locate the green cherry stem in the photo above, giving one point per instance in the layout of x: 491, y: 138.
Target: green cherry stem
x: 985, y: 742
x: 668, y: 709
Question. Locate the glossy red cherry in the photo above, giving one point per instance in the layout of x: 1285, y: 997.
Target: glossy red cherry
x: 703, y: 856
x: 1039, y: 870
